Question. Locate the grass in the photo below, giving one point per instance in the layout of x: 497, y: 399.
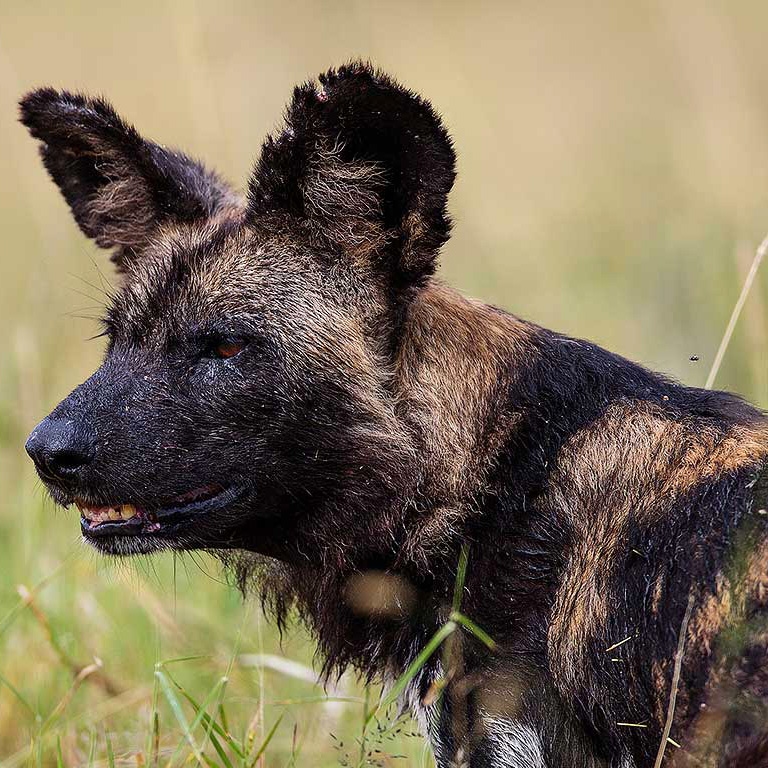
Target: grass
x: 209, y: 709
x: 201, y: 730
x: 611, y: 185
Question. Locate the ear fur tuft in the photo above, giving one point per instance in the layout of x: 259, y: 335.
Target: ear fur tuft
x: 366, y: 164
x: 119, y: 186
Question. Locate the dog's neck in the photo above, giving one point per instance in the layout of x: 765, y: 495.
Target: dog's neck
x: 453, y: 371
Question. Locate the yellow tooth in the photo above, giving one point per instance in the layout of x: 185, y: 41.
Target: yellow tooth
x: 127, y: 511
x: 113, y: 514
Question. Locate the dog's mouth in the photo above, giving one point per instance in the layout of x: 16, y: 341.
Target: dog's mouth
x: 127, y: 519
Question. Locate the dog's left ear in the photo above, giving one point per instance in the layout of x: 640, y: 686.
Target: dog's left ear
x: 366, y: 166
x: 119, y: 186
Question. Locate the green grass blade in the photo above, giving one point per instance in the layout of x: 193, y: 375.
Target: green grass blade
x: 181, y: 659
x: 413, y: 668
x: 153, y: 736
x: 110, y: 752
x: 221, y: 687
x: 214, y: 728
x: 12, y: 688
x: 220, y: 751
x: 223, y: 717
x: 264, y: 744
x: 461, y: 577
x: 155, y: 739
x: 209, y: 762
x: 227, y: 676
x: 209, y: 721
x: 178, y: 712
x: 470, y: 625
x: 200, y: 713
x: 92, y: 750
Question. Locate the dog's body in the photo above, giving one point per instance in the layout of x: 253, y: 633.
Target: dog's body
x: 286, y: 379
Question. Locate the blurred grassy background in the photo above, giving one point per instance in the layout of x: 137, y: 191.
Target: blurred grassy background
x: 613, y: 184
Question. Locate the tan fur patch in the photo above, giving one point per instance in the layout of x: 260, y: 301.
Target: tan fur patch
x: 629, y: 465
x: 343, y: 202
x: 756, y: 577
x: 661, y: 695
x: 712, y: 615
x: 454, y: 356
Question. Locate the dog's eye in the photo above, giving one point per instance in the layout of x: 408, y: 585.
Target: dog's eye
x: 223, y: 349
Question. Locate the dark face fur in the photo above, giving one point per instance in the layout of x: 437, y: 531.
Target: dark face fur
x: 245, y: 384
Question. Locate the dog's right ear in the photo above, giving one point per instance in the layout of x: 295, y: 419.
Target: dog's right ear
x: 119, y: 186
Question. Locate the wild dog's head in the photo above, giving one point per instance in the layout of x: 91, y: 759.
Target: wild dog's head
x: 245, y: 383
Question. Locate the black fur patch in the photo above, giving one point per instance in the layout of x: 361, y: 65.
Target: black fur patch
x: 364, y: 162
x: 119, y: 186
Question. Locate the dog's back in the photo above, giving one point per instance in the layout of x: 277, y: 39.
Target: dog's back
x: 610, y: 497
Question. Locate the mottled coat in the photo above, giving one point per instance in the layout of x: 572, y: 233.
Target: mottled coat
x: 287, y: 384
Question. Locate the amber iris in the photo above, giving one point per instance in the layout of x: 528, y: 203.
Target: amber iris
x: 229, y: 348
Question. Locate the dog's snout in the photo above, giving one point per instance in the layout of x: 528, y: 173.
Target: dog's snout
x: 61, y: 448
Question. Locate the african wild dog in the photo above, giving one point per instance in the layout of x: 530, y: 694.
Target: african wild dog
x: 287, y: 384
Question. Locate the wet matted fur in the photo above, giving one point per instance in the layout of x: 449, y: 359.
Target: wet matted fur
x: 288, y: 385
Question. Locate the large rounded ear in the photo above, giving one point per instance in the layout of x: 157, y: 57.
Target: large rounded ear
x: 119, y: 186
x: 366, y: 165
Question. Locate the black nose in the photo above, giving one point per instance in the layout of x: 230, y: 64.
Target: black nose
x: 61, y: 448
